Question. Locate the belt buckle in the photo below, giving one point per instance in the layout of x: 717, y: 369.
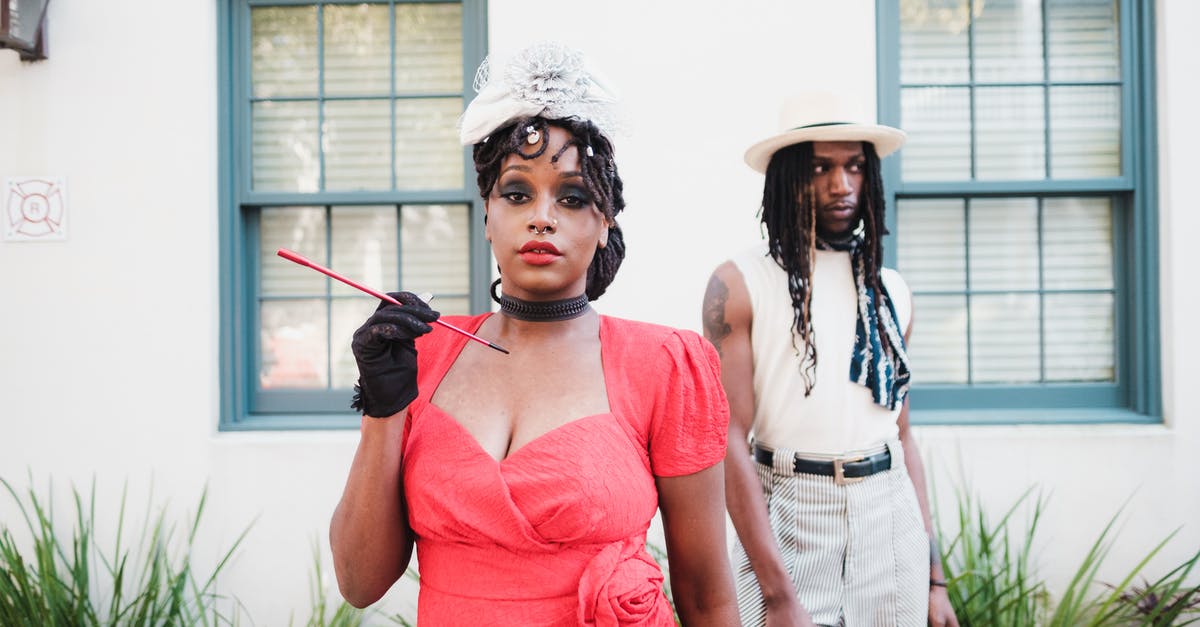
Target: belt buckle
x: 839, y: 472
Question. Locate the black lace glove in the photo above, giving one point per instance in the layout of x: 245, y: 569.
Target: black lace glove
x: 387, y: 356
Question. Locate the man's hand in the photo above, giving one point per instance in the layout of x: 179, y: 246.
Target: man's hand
x: 941, y: 613
x: 788, y: 613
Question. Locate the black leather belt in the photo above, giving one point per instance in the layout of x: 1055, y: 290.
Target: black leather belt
x: 843, y: 471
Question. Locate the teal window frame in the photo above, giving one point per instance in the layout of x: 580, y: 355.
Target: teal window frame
x: 242, y: 406
x: 1135, y: 395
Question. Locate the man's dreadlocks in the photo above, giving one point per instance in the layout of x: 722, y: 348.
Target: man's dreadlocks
x: 789, y: 214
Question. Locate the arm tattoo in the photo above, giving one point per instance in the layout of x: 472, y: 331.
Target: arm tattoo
x: 715, y: 327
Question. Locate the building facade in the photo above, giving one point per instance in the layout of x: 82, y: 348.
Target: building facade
x: 152, y: 340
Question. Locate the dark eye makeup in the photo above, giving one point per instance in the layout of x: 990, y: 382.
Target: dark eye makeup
x: 514, y: 191
x: 574, y: 196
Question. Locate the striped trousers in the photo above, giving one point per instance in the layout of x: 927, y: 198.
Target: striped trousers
x: 858, y: 554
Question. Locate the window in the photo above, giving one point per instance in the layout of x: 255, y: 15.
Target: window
x: 1024, y: 210
x: 339, y: 141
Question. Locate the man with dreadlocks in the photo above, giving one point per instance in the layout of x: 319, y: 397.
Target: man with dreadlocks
x: 824, y: 482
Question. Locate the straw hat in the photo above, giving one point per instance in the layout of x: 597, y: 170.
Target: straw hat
x: 824, y: 117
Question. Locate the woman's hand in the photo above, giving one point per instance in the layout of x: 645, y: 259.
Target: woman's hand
x: 387, y: 356
x: 369, y: 534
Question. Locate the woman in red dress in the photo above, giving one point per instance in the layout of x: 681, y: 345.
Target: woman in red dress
x: 528, y: 481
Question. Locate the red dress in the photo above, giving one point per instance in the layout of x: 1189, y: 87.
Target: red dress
x: 555, y: 534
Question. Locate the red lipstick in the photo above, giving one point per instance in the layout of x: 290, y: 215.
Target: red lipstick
x: 534, y: 245
x: 539, y: 253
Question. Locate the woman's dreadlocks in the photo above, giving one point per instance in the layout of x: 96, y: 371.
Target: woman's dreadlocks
x: 599, y: 174
x: 789, y: 215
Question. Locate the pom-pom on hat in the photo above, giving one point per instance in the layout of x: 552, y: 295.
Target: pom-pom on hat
x: 546, y: 79
x: 823, y: 117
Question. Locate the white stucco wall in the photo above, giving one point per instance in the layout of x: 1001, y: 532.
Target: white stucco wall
x: 108, y: 341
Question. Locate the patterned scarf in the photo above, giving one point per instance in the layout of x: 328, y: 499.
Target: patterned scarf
x: 884, y: 372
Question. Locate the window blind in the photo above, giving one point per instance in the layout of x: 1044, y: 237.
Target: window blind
x: 1010, y: 290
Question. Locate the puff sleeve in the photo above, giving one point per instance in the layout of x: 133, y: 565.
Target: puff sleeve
x: 689, y: 420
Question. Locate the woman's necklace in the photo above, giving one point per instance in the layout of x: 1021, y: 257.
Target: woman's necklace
x: 540, y: 311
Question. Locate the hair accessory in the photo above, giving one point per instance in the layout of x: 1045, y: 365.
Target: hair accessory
x: 546, y: 79
x: 590, y: 152
x: 538, y: 311
x: 534, y: 136
x: 827, y: 117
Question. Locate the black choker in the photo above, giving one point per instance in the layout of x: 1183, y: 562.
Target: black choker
x: 532, y: 311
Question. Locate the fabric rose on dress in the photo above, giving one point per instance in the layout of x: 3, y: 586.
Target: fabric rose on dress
x: 623, y: 586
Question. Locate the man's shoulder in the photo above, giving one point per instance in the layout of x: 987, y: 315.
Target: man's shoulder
x: 753, y: 259
x: 892, y: 279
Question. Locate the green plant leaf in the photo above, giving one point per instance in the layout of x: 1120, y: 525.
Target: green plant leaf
x: 65, y: 578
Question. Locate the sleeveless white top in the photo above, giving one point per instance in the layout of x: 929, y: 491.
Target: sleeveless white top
x: 838, y: 418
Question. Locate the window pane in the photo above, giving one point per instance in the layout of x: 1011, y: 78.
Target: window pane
x: 357, y: 136
x: 293, y: 344
x: 284, y: 148
x: 932, y: 251
x: 429, y: 48
x: 435, y: 250
x: 1005, y: 101
x: 428, y: 155
x: 933, y: 41
x: 1004, y: 338
x: 938, y: 123
x: 1008, y: 41
x: 301, y: 229
x: 283, y: 58
x: 1085, y: 132
x: 453, y: 306
x: 1077, y: 243
x: 359, y: 99
x: 1010, y: 133
x: 1084, y: 40
x: 348, y: 315
x: 938, y: 350
x: 357, y: 45
x: 1079, y: 337
x: 1004, y: 244
x: 364, y: 248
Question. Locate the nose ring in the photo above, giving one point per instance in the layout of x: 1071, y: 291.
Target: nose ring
x: 545, y: 229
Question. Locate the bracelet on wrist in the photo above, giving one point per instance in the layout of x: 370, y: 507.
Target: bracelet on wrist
x: 939, y: 583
